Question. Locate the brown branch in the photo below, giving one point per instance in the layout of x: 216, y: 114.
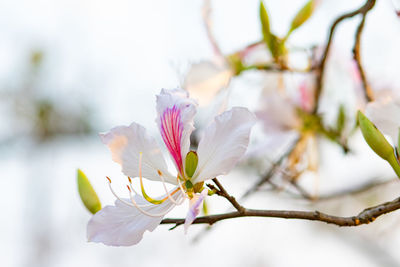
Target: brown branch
x: 369, y: 95
x: 364, y: 217
x: 320, y: 70
x: 231, y: 199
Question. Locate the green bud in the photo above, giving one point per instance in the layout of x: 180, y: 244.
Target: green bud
x: 211, y: 192
x: 264, y: 18
x: 374, y: 137
x: 191, y: 163
x: 378, y: 142
x: 87, y: 193
x: 275, y: 44
x: 398, y: 143
x: 302, y: 16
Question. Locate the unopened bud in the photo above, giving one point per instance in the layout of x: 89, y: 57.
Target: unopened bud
x: 375, y: 138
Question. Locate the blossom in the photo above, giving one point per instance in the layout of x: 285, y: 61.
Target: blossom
x: 281, y: 110
x: 224, y: 142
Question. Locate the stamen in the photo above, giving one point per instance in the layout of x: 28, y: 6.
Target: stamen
x: 149, y: 199
x: 181, y: 188
x: 130, y: 188
x: 139, y: 207
x: 166, y: 190
x: 112, y: 191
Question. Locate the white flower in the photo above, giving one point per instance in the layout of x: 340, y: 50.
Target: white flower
x: 224, y: 142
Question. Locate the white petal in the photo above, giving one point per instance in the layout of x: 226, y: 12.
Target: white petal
x: 224, y: 142
x: 385, y: 114
x: 126, y: 143
x: 123, y: 225
x: 175, y: 120
x: 194, y: 208
x: 205, y: 79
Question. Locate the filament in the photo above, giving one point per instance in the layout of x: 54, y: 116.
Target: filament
x: 180, y: 186
x: 149, y: 199
x: 145, y: 212
x: 166, y: 190
x: 112, y: 191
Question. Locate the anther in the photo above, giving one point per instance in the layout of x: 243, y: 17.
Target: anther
x: 109, y: 180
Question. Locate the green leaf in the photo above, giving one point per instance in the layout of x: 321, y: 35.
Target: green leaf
x: 87, y: 193
x: 302, y: 16
x: 191, y: 163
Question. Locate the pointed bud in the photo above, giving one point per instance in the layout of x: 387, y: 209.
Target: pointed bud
x: 191, y: 163
x: 302, y: 16
x: 87, y: 193
x: 375, y: 138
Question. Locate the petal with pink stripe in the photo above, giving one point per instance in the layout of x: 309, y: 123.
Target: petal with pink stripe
x: 175, y: 120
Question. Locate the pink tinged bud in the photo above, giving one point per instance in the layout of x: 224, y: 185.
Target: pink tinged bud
x: 194, y: 209
x: 171, y: 132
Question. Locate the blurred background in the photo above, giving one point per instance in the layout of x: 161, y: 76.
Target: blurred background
x: 71, y: 69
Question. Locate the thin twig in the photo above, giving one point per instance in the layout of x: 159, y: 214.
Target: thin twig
x: 320, y: 70
x: 230, y: 198
x: 369, y: 95
x: 269, y: 174
x: 364, y: 217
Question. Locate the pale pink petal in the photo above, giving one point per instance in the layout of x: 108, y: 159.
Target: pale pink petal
x: 123, y: 225
x: 126, y: 143
x: 255, y: 54
x: 224, y: 142
x: 205, y: 79
x: 385, y: 114
x: 278, y: 113
x: 194, y: 208
x: 175, y: 120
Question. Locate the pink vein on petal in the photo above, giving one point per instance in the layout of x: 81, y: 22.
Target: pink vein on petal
x: 171, y: 132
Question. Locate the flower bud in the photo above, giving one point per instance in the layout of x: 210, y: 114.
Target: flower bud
x: 87, y: 193
x: 374, y: 137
